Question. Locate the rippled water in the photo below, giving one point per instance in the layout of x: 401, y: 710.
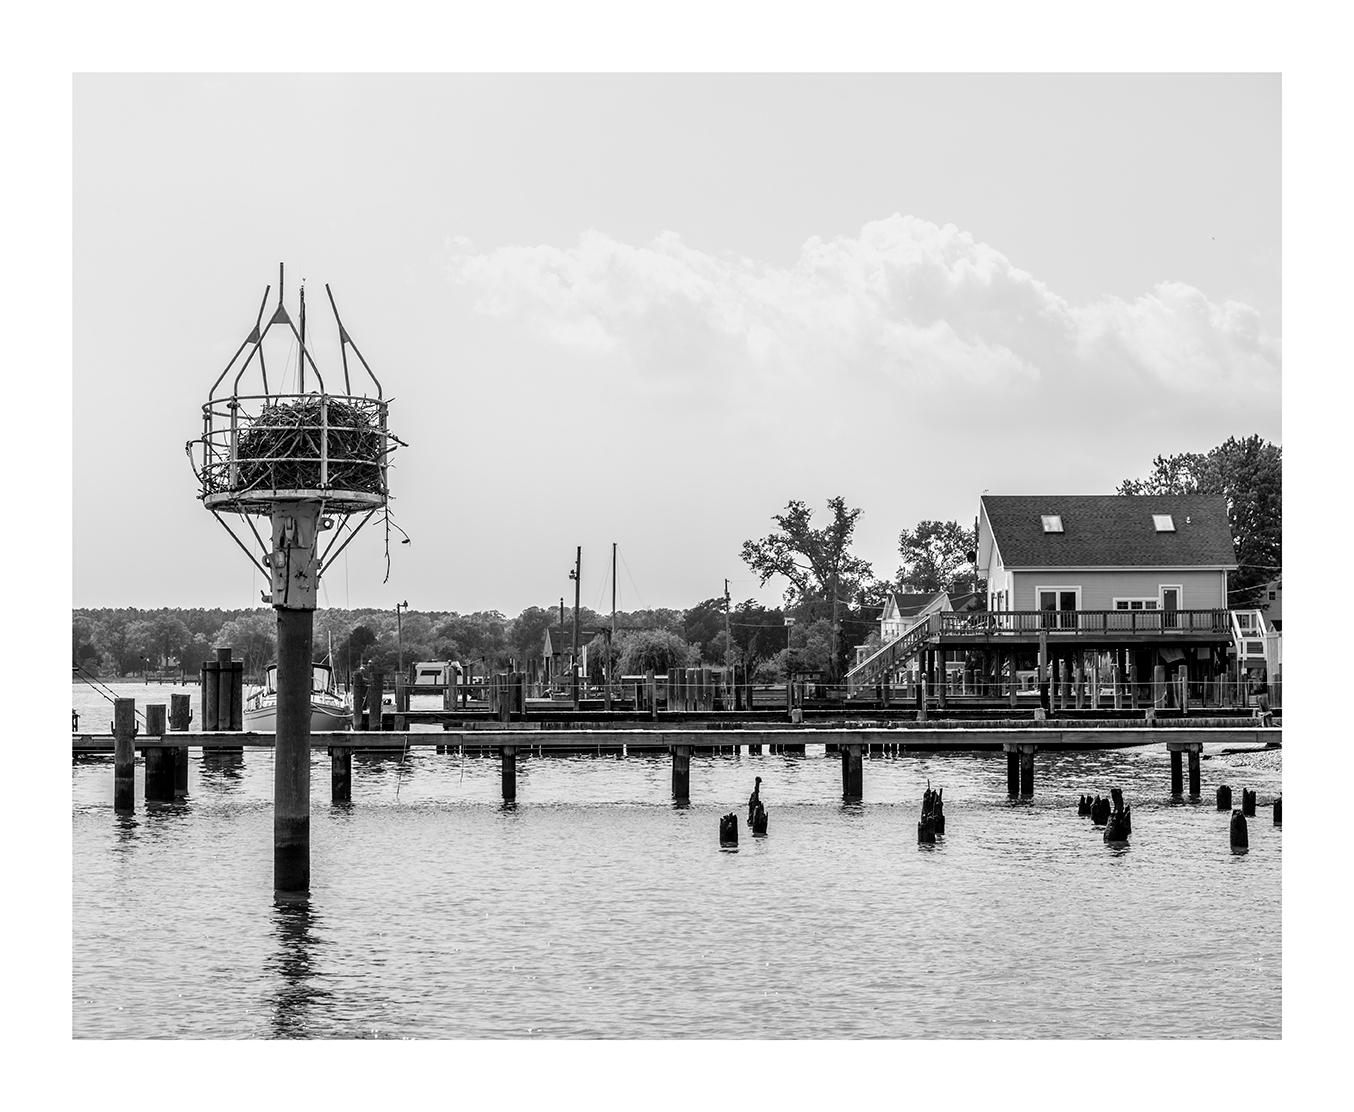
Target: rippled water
x: 597, y: 909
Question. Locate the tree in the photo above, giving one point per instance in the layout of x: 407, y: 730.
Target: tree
x: 642, y: 649
x: 361, y: 639
x: 702, y: 624
x: 1248, y: 473
x: 758, y: 633
x: 816, y: 563
x: 527, y: 632
x: 935, y: 557
x: 253, y: 637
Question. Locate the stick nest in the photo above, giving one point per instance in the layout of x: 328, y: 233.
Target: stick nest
x: 280, y: 450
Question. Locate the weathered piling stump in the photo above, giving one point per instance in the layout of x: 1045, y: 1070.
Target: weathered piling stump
x: 1084, y: 806
x: 932, y: 820
x: 758, y: 822
x: 1118, y: 828
x: 180, y: 715
x: 1240, y: 837
x: 341, y: 774
x: 1224, y: 798
x: 755, y: 799
x: 1100, y: 811
x: 1248, y: 803
x: 926, y: 830
x: 124, y: 755
x: 1278, y: 810
x: 508, y: 755
x: 728, y: 830
x: 681, y: 774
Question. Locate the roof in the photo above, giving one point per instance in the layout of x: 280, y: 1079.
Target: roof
x: 1111, y: 531
x: 910, y: 604
x: 559, y: 641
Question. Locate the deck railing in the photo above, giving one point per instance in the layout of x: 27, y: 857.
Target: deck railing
x: 1055, y: 622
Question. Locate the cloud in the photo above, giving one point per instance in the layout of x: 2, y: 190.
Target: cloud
x: 905, y: 305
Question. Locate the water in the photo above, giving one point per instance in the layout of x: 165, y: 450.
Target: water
x: 596, y: 909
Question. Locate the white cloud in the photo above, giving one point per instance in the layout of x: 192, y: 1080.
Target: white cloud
x: 906, y: 304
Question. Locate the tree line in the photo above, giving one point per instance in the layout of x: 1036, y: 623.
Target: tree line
x: 831, y: 594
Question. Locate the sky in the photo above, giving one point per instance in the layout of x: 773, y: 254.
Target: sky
x: 651, y: 310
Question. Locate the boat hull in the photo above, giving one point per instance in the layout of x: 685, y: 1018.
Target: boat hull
x: 322, y: 719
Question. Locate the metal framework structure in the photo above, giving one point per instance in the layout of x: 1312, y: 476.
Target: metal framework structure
x: 261, y: 448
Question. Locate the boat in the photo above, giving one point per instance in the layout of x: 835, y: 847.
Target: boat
x: 328, y: 709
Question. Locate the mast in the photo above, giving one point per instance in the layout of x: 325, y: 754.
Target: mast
x: 301, y: 365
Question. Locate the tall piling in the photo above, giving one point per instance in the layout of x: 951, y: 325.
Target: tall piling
x: 1195, y: 778
x: 375, y: 697
x: 180, y: 715
x: 1177, y: 775
x: 291, y: 760
x: 359, y: 694
x: 1012, y: 772
x: 508, y: 755
x: 124, y: 756
x: 211, y: 695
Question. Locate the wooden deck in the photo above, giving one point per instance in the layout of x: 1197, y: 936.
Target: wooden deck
x: 1066, y: 736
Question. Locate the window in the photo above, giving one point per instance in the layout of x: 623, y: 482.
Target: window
x: 1164, y: 523
x: 1135, y: 604
x: 1053, y: 523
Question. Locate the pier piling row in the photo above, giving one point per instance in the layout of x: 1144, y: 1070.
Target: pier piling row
x: 166, y: 753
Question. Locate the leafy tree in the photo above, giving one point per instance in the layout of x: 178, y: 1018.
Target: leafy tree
x: 660, y: 650
x: 1248, y: 473
x: 758, y: 633
x: 527, y: 632
x: 253, y: 637
x: 935, y: 557
x: 361, y: 640
x: 701, y: 624
x: 816, y: 563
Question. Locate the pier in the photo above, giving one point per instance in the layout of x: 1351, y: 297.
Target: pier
x: 1018, y: 742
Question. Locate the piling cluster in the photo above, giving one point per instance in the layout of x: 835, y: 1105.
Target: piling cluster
x: 728, y: 830
x: 1119, y: 822
x: 932, y: 821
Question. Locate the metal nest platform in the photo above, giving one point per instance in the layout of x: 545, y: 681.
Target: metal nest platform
x: 260, y: 447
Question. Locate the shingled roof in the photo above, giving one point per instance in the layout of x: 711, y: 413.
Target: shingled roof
x: 1111, y: 530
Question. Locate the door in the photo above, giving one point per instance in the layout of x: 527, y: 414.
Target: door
x: 1059, y: 607
x: 1170, y: 603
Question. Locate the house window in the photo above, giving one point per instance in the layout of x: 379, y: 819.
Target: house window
x: 1135, y: 604
x: 1164, y: 523
x: 1053, y: 523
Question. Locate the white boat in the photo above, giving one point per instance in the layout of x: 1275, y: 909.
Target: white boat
x: 328, y: 709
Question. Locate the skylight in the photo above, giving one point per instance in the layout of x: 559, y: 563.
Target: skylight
x: 1053, y: 523
x: 1164, y: 523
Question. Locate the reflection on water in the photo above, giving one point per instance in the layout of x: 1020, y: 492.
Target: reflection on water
x: 595, y: 907
x: 293, y: 968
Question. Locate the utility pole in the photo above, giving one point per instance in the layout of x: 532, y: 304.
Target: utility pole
x: 557, y: 648
x: 577, y: 576
x: 728, y: 637
x: 836, y: 648
x: 611, y: 640
x: 400, y: 607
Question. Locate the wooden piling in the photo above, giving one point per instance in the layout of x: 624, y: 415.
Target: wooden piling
x: 124, y: 755
x: 509, y: 758
x: 341, y: 774
x: 1012, y: 772
x: 1079, y: 683
x: 211, y: 696
x: 1240, y: 837
x: 359, y: 694
x: 1159, y: 687
x: 159, y: 762
x: 1278, y: 810
x: 225, y: 689
x: 681, y: 773
x: 1027, y: 772
x: 651, y: 688
x: 921, y: 697
x: 376, y: 690
x: 1177, y: 775
x: 1065, y: 673
x: 853, y: 774
x: 291, y: 756
x: 1015, y: 684
x: 1248, y: 803
x: 1224, y: 798
x: 1115, y: 683
x: 1195, y: 751
x: 180, y: 715
x: 1132, y: 682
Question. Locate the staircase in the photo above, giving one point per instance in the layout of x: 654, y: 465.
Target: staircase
x: 1253, y: 641
x: 891, y: 656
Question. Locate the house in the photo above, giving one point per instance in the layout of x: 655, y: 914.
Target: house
x: 558, y: 650
x: 1271, y: 602
x: 1081, y: 583
x: 1104, y: 552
